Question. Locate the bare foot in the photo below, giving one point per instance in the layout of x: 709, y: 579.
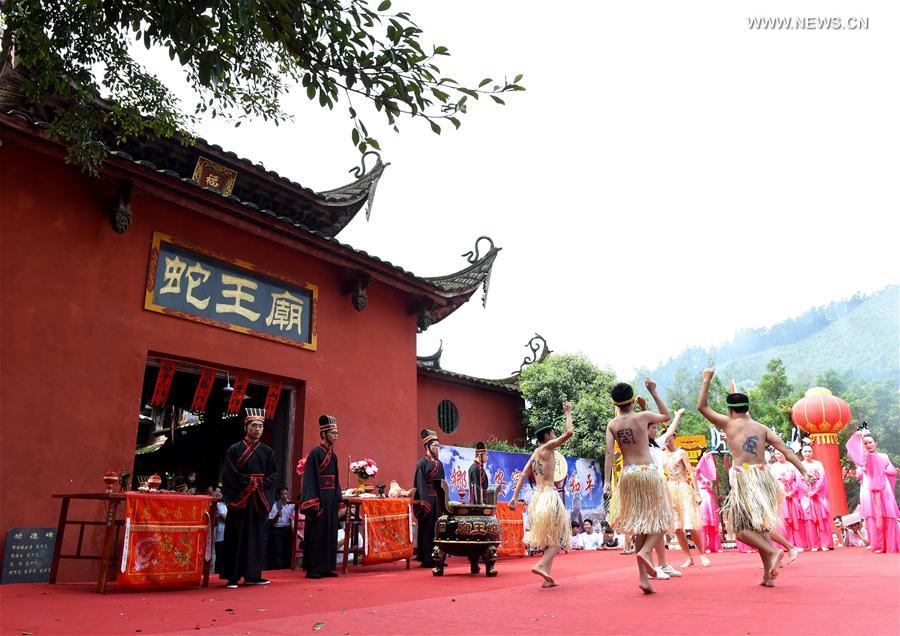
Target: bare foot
x: 791, y: 556
x: 647, y: 565
x: 704, y: 561
x: 646, y: 588
x: 549, y: 584
x: 767, y: 583
x: 773, y: 564
x: 687, y: 563
x: 547, y: 578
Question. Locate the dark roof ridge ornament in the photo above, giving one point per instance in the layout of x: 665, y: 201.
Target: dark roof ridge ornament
x: 460, y: 286
x: 364, y: 186
x: 474, y: 256
x: 537, y: 344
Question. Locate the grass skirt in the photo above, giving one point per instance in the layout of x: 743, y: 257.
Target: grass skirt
x: 643, y: 508
x: 685, y: 511
x: 550, y: 525
x: 754, y: 502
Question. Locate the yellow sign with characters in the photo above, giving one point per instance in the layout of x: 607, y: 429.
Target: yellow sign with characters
x: 693, y: 444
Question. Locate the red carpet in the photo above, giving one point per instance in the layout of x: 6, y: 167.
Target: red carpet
x: 849, y: 591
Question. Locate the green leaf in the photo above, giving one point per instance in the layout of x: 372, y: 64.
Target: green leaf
x: 435, y: 128
x: 441, y: 50
x: 384, y: 6
x: 455, y: 122
x: 485, y: 82
x: 355, y: 136
x: 373, y: 143
x: 518, y: 79
x: 497, y: 99
x: 311, y: 91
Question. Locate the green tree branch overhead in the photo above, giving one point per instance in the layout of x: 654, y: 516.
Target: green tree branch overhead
x: 240, y: 59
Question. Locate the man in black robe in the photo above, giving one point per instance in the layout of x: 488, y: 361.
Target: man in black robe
x: 428, y: 469
x: 478, y: 477
x: 248, y: 488
x: 319, y: 500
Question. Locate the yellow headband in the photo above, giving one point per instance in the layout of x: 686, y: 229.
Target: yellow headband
x: 624, y: 402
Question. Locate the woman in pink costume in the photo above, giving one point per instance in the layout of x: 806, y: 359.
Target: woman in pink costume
x: 792, y: 507
x: 709, y: 507
x: 818, y: 527
x: 876, y: 493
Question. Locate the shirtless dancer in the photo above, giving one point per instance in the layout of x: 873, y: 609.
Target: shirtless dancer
x: 752, y: 508
x: 644, y: 509
x: 550, y: 528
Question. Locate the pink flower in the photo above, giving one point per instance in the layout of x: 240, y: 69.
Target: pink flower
x: 301, y: 466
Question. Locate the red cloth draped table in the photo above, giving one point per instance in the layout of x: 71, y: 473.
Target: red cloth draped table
x: 168, y: 541
x: 385, y: 526
x: 512, y: 543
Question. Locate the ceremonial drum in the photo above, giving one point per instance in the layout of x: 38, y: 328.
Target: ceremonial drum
x: 469, y: 530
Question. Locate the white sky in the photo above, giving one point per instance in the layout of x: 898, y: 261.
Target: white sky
x: 662, y: 153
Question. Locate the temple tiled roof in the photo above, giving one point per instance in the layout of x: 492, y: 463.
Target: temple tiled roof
x: 266, y: 199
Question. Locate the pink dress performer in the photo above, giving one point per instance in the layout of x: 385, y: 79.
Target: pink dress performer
x: 792, y: 511
x: 876, y: 493
x: 818, y: 526
x: 709, y: 507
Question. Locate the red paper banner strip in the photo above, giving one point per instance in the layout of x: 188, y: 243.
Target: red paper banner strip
x: 163, y: 382
x: 204, y: 388
x: 272, y: 398
x: 241, y: 380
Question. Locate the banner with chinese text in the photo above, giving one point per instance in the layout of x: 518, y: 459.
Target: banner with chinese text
x: 165, y: 542
x: 190, y: 282
x: 582, y: 490
x: 693, y: 444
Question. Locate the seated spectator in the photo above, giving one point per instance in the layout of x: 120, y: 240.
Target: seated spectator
x: 279, y: 542
x: 611, y: 540
x: 588, y: 539
x: 855, y: 531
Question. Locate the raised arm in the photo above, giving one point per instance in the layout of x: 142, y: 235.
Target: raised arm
x: 660, y: 405
x: 716, y: 419
x: 670, y: 432
x: 570, y: 429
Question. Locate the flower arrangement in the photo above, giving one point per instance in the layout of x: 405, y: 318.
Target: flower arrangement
x: 364, y: 468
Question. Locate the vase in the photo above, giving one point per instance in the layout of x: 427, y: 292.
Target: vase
x: 362, y: 484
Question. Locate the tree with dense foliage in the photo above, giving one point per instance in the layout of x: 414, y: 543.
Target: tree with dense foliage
x: 240, y: 58
x: 569, y: 378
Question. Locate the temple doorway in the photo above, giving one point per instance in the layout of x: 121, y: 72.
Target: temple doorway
x: 175, y: 439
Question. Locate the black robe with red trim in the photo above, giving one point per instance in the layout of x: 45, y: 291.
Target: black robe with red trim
x: 319, y: 500
x: 478, y: 483
x: 248, y: 488
x: 425, y: 507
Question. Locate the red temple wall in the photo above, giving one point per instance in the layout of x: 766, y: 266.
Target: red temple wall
x: 74, y: 340
x: 483, y: 413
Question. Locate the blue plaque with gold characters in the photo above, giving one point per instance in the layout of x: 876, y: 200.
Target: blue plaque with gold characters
x: 190, y: 282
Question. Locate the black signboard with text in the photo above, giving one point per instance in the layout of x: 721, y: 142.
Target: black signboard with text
x: 28, y: 555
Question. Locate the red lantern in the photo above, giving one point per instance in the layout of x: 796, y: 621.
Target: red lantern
x: 821, y: 412
x: 823, y: 415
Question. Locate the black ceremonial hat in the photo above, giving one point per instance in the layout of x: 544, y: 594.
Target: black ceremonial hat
x: 428, y: 436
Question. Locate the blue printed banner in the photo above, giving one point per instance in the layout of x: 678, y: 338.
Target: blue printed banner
x: 582, y: 489
x: 189, y: 282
